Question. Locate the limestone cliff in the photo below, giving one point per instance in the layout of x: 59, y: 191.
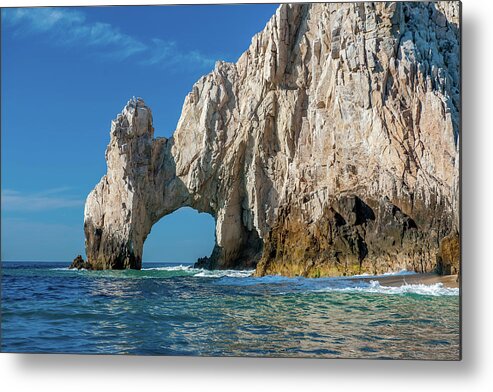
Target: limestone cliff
x: 329, y: 148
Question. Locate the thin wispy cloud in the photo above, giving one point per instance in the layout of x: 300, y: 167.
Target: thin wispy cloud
x: 71, y: 28
x: 164, y: 52
x: 50, y: 199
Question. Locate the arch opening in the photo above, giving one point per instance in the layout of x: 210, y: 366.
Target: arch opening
x: 183, y: 236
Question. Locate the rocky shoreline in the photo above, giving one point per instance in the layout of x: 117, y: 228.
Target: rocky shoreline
x: 387, y: 280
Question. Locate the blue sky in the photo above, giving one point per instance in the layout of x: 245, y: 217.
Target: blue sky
x: 66, y: 73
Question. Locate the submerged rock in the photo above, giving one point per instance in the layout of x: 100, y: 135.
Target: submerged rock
x: 329, y: 148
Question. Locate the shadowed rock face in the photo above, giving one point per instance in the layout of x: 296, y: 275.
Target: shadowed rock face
x: 329, y: 148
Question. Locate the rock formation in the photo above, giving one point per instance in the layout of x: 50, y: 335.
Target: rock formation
x: 329, y: 148
x: 79, y: 263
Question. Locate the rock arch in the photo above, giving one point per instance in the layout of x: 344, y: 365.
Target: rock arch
x: 329, y: 148
x: 142, y: 186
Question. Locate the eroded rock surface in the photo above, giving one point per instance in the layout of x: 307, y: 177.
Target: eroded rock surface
x: 329, y: 148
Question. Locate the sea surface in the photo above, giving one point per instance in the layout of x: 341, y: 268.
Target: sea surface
x: 171, y: 309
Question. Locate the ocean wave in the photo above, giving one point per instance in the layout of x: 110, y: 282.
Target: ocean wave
x: 224, y: 273
x: 390, y: 273
x: 437, y: 289
x: 285, y: 285
x: 203, y: 273
x: 171, y: 268
x: 289, y: 285
x: 184, y: 269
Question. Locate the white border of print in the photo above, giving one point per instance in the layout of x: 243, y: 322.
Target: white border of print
x: 19, y: 372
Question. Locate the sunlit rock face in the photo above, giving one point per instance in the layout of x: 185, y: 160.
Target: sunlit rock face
x: 329, y: 148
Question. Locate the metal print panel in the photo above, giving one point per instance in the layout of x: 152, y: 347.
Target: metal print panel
x: 293, y: 192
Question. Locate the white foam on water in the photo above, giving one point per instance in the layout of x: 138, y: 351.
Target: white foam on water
x: 344, y: 284
x: 203, y: 273
x: 310, y: 285
x: 224, y: 273
x: 390, y: 273
x: 171, y: 268
x: 437, y: 289
x: 68, y: 269
x: 399, y: 273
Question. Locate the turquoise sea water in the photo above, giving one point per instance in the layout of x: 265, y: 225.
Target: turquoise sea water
x: 177, y: 310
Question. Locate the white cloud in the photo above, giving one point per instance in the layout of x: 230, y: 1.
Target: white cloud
x: 68, y: 27
x: 167, y: 54
x: 46, y: 200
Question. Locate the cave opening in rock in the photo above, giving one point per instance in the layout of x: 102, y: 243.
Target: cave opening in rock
x: 180, y: 237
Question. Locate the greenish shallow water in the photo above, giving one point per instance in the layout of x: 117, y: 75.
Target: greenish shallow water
x: 178, y: 310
